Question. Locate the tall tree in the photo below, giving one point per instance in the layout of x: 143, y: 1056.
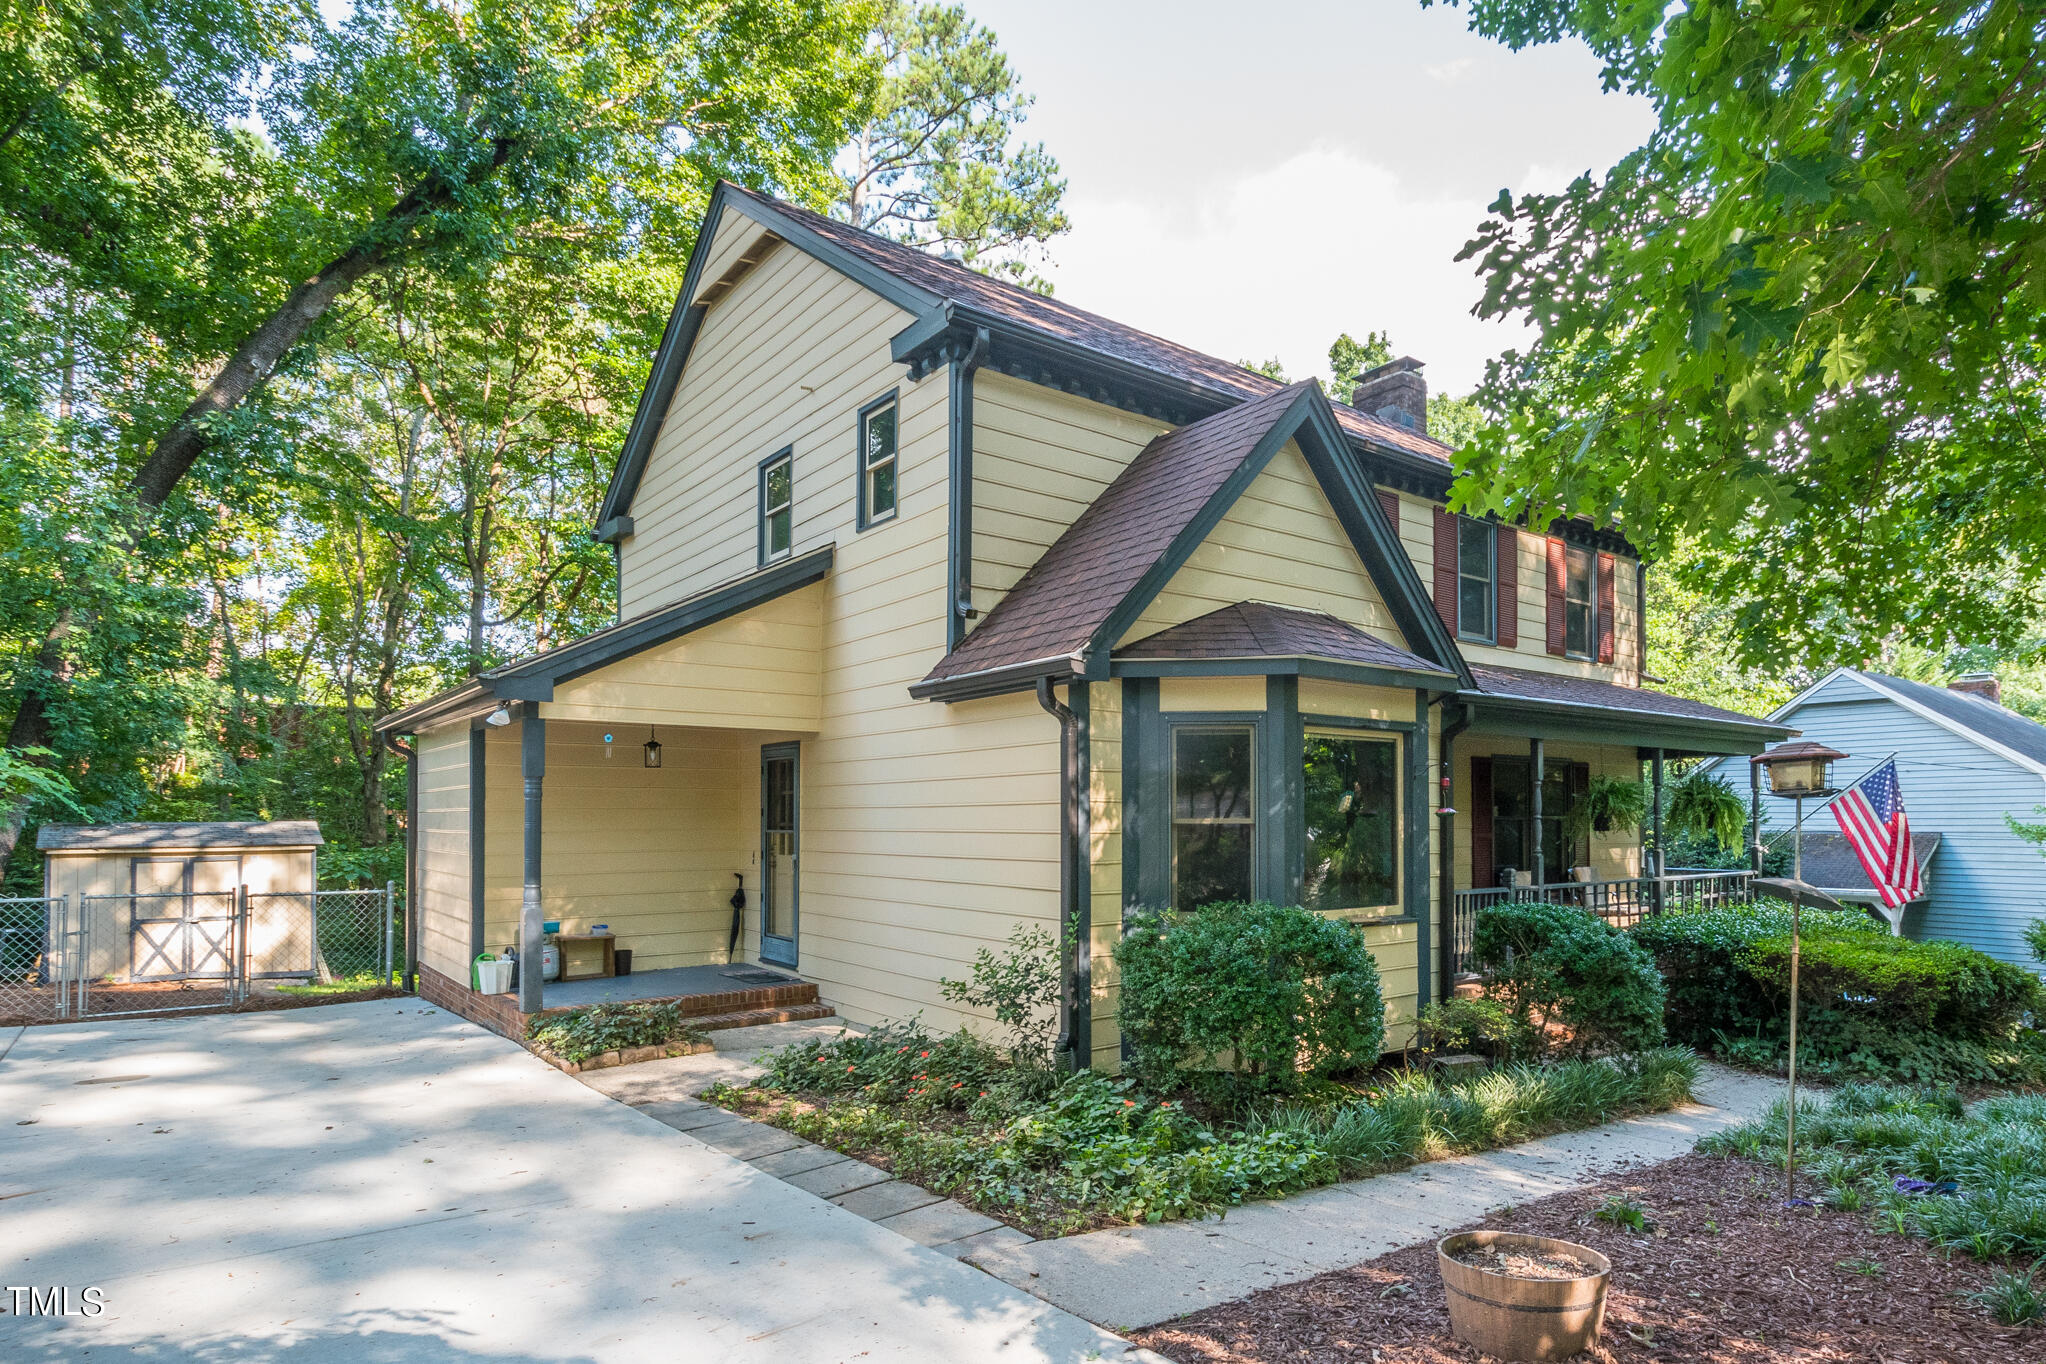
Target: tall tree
x: 1802, y: 324
x: 432, y: 134
x: 939, y: 162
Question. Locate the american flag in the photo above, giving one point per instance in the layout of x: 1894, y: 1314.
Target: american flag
x: 1871, y: 815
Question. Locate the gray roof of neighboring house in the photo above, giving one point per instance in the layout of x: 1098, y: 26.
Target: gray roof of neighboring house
x: 272, y: 833
x: 1060, y: 321
x: 1830, y: 863
x: 1255, y: 629
x: 1056, y: 608
x: 1559, y: 689
x: 1976, y: 713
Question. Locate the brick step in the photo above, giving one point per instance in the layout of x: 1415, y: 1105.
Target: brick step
x: 753, y: 1018
x: 729, y: 1001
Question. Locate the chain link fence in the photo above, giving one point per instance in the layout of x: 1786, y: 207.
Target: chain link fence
x: 158, y: 953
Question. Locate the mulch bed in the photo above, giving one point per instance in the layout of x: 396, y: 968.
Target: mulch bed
x: 1726, y: 1275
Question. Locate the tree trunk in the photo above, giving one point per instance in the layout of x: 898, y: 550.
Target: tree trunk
x: 181, y: 445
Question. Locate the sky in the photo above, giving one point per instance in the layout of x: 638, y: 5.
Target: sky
x: 1251, y: 180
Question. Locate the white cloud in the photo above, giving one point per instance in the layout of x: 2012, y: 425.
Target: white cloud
x: 1448, y: 72
x: 1280, y: 262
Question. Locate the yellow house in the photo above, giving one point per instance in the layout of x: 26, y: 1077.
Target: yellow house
x: 952, y: 607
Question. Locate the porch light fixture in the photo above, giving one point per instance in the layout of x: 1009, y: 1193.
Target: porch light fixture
x: 1797, y: 772
x: 500, y: 717
x: 652, y: 748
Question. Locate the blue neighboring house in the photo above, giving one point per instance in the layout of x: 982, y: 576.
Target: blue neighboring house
x: 1964, y: 762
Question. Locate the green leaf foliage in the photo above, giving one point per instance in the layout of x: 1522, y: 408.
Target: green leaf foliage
x: 1020, y: 987
x: 578, y: 1034
x: 1275, y: 993
x: 1800, y: 328
x: 1557, y: 964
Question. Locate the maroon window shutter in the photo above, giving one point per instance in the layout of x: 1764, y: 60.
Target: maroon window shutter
x: 1506, y: 587
x: 1557, y: 636
x: 1389, y: 503
x: 1445, y: 568
x: 1605, y: 608
x: 1480, y: 797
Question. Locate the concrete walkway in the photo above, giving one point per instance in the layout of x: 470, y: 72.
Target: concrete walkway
x: 1130, y: 1277
x: 666, y: 1092
x: 384, y: 1181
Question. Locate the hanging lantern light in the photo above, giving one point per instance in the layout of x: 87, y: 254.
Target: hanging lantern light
x: 1799, y: 769
x: 652, y: 748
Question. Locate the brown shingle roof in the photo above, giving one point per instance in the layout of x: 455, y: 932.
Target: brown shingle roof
x: 1255, y: 629
x: 1061, y: 321
x: 1521, y: 684
x: 1073, y: 589
x: 232, y: 833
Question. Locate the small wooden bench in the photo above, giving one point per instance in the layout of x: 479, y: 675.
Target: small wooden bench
x: 587, y: 956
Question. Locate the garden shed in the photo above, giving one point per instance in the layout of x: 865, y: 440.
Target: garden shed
x: 160, y: 900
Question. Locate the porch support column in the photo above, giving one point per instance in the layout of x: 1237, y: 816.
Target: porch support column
x: 1416, y: 874
x: 1661, y: 863
x: 533, y: 767
x: 1534, y: 808
x: 1755, y: 816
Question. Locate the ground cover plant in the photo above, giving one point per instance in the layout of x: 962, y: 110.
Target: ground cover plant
x: 575, y: 1035
x: 1871, y: 1006
x: 1717, y: 1271
x: 1055, y: 1153
x: 1917, y: 1162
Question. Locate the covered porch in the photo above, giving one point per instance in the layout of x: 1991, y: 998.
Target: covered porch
x: 634, y: 795
x: 1522, y: 750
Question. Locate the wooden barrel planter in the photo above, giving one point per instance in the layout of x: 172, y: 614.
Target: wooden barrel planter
x: 1515, y: 1316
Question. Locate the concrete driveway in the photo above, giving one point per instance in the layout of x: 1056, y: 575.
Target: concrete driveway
x: 386, y: 1182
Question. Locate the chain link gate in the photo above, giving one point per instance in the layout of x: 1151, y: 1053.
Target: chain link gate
x: 176, y: 952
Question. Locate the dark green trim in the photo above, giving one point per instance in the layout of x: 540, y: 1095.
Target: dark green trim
x: 1420, y: 829
x: 1356, y: 722
x: 1147, y: 800
x: 861, y: 520
x: 1154, y: 769
x: 1324, y: 669
x: 959, y: 488
x: 610, y: 532
x: 1282, y: 796
x: 533, y: 771
x: 1079, y: 702
x: 478, y: 787
x: 534, y: 679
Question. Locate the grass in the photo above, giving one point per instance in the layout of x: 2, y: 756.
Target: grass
x: 2012, y: 1298
x: 339, y: 985
x: 1059, y: 1154
x: 1986, y: 1165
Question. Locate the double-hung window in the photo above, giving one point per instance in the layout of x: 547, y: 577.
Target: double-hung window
x: 1580, y: 602
x: 877, y: 461
x: 777, y: 504
x: 1476, y: 598
x: 1214, y: 821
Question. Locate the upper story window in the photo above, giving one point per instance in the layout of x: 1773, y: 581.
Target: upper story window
x: 1580, y: 602
x: 1476, y: 573
x: 877, y: 461
x: 777, y: 504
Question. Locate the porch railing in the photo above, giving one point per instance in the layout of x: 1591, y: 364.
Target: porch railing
x: 1623, y: 902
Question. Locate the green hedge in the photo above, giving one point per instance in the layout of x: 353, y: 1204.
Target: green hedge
x: 1283, y: 994
x: 1869, y: 1003
x: 1560, y: 964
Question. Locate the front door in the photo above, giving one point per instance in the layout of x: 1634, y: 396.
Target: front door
x: 779, y: 804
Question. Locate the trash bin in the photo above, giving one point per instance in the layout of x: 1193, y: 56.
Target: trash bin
x: 493, y: 976
x: 621, y: 960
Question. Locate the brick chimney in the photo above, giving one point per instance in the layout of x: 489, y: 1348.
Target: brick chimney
x: 1983, y: 685
x: 1394, y: 392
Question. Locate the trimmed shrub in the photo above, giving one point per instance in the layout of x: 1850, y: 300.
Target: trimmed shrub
x: 1869, y: 1004
x: 1275, y: 993
x: 1560, y: 964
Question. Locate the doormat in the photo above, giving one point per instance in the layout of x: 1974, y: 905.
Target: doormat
x: 756, y: 977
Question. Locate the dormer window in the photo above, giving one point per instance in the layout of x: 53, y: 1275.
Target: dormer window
x: 1476, y: 575
x: 777, y: 504
x: 1580, y: 603
x: 877, y: 461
